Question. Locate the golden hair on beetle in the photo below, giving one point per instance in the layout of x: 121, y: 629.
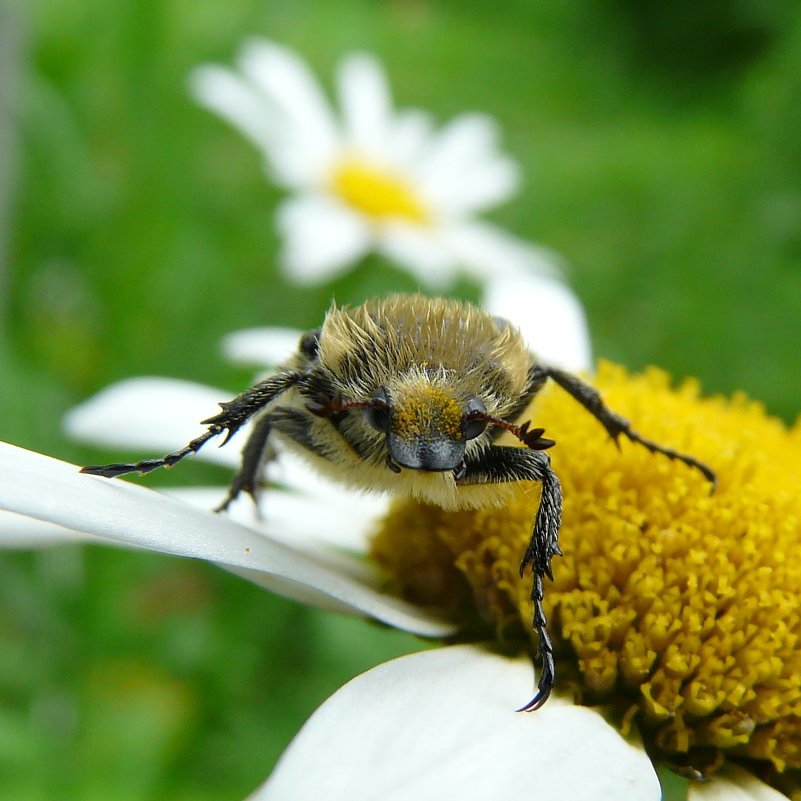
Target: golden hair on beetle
x: 421, y: 339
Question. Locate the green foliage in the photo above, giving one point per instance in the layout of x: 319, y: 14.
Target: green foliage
x: 662, y: 159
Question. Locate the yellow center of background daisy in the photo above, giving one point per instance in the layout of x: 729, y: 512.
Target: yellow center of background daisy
x: 679, y: 607
x: 377, y: 192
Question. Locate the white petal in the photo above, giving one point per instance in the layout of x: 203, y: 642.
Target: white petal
x: 315, y: 525
x: 487, y: 252
x: 346, y: 523
x: 300, y: 520
x: 264, y: 347
x: 441, y: 724
x: 550, y: 317
x: 733, y: 783
x: 420, y: 251
x: 466, y: 138
x: 289, y: 164
x: 282, y: 77
x: 141, y: 518
x: 224, y: 92
x: 481, y: 187
x: 18, y: 531
x: 323, y: 239
x: 152, y: 414
x: 409, y: 135
x: 462, y: 169
x: 307, y: 528
x: 365, y: 103
x: 292, y: 471
x: 350, y: 516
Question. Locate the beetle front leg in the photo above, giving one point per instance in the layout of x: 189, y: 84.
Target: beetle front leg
x: 253, y: 456
x: 258, y: 450
x: 233, y: 415
x: 591, y: 400
x: 497, y: 465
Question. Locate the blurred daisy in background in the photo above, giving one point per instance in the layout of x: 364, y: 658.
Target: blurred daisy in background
x: 365, y: 177
x: 369, y: 177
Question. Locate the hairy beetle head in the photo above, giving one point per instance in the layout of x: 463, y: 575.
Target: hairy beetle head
x: 426, y: 426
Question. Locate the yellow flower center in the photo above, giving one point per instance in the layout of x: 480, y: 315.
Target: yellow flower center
x: 679, y: 607
x: 377, y: 192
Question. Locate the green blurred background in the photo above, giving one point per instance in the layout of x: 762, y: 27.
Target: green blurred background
x: 661, y: 148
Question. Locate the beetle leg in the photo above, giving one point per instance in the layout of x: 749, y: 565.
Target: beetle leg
x: 234, y: 413
x: 496, y: 465
x: 615, y: 425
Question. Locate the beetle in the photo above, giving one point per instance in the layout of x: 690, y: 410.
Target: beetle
x: 409, y: 394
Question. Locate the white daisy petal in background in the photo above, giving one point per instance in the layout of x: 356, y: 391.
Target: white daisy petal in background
x: 261, y: 347
x: 548, y: 314
x: 480, y: 245
x: 302, y: 131
x: 368, y: 177
x: 441, y: 724
x: 427, y: 259
x: 409, y: 135
x: 234, y: 100
x: 462, y: 169
x: 365, y: 103
x: 152, y: 414
x: 322, y: 238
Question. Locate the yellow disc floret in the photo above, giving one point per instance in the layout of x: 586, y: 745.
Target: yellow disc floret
x: 679, y: 607
x: 377, y: 192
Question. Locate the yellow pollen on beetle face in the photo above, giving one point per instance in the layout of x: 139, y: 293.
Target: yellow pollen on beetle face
x: 680, y: 608
x: 425, y: 411
x: 377, y: 192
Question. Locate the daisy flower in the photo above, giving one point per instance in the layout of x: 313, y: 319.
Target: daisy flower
x: 365, y: 177
x: 675, y: 612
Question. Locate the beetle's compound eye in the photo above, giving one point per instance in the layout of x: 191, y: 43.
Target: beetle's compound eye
x: 475, y: 415
x: 310, y: 343
x: 378, y: 414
